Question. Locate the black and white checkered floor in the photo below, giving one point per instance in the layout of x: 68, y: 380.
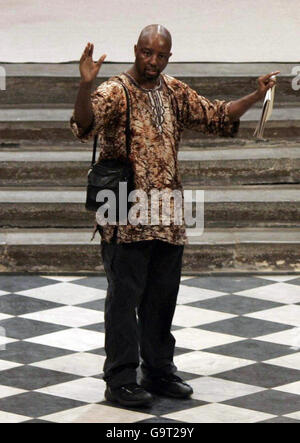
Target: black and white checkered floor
x: 237, y: 338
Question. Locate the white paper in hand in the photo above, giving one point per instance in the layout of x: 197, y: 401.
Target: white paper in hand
x: 266, y: 112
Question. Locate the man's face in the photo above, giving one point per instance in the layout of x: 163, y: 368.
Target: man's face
x: 152, y: 55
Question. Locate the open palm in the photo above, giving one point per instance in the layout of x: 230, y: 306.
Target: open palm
x: 87, y: 67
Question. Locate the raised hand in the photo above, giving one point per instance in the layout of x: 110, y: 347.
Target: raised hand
x: 265, y: 82
x: 87, y: 67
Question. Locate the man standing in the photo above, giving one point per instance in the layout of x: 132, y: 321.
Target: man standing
x: 143, y: 262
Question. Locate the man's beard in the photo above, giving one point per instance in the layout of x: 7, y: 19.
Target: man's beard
x: 151, y: 76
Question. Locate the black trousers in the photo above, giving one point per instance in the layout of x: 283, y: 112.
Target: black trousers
x: 143, y: 283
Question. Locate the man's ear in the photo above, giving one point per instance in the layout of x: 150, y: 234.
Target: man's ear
x: 135, y: 49
x: 170, y: 54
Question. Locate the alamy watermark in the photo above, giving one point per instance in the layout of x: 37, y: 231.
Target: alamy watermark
x: 155, y: 207
x: 2, y: 79
x: 296, y: 79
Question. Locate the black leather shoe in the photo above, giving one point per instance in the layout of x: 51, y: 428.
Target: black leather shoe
x: 129, y: 395
x: 170, y: 385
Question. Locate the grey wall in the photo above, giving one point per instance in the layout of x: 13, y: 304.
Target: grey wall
x: 202, y: 30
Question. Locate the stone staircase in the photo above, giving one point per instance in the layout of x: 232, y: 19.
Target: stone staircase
x: 251, y: 189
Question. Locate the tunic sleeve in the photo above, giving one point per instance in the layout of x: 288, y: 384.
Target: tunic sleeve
x: 107, y: 102
x: 209, y: 117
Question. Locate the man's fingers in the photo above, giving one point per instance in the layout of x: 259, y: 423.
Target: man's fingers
x: 101, y: 59
x: 88, y: 52
x: 86, y: 49
x: 272, y: 73
x: 267, y: 76
x: 84, y: 52
x: 267, y: 80
x: 91, y: 49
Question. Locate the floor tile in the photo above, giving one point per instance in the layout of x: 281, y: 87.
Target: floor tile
x: 71, y: 316
x: 237, y: 345
x: 6, y: 417
x: 287, y: 315
x: 23, y: 328
x: 82, y: 364
x: 7, y: 391
x: 98, y: 327
x: 15, y: 304
x: 197, y: 339
x: 228, y: 284
x: 252, y: 349
x: 245, y: 327
x: 64, y: 278
x: 65, y: 293
x: 4, y: 364
x: 100, y: 351
x: 4, y: 341
x: 72, y: 339
x: 159, y: 420
x: 290, y: 337
x: 4, y: 316
x: 219, y: 413
x: 291, y: 388
x: 189, y: 317
x: 269, y: 401
x: 180, y: 351
x: 189, y: 294
x: 261, y: 374
x: 31, y: 378
x: 35, y: 404
x: 37, y: 420
x: 204, y: 363
x: 294, y: 415
x: 277, y: 278
x: 277, y: 292
x: 295, y: 281
x: 164, y: 405
x: 97, y: 414
x: 235, y: 304
x: 18, y: 283
x: 213, y: 390
x: 92, y: 282
x: 24, y: 352
x: 281, y: 420
x: 88, y: 390
x: 97, y: 305
x: 287, y: 361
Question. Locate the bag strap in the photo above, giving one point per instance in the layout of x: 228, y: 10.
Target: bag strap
x: 127, y: 130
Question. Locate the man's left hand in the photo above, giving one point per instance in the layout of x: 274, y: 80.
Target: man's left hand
x: 265, y: 82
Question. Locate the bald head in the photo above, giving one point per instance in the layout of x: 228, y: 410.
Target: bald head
x: 152, y: 53
x: 151, y: 32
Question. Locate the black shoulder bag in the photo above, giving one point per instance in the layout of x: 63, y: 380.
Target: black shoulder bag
x: 108, y: 173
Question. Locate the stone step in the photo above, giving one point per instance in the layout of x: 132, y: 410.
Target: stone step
x: 233, y: 206
x: 244, y: 150
x: 54, y: 114
x: 58, y: 83
x: 203, y: 145
x: 54, y: 132
x: 249, y: 165
x: 214, y: 251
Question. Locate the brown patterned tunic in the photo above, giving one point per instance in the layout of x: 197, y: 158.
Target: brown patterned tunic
x: 157, y: 119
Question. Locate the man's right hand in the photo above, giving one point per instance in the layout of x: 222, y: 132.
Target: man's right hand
x: 87, y: 67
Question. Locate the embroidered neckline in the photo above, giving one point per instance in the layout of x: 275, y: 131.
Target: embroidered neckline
x: 156, y: 88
